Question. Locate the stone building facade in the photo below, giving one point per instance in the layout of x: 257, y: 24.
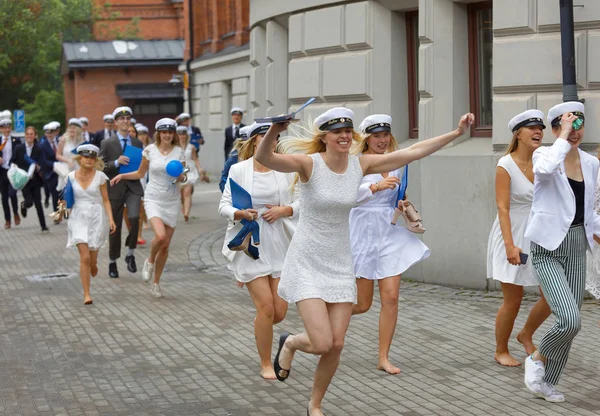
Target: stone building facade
x: 424, y: 62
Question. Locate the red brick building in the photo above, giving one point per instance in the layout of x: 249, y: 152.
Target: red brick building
x: 101, y: 75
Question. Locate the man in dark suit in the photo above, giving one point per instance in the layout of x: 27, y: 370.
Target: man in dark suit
x: 106, y: 132
x: 233, y: 132
x: 48, y: 147
x: 194, y: 133
x: 8, y: 145
x: 124, y: 193
x: 27, y: 156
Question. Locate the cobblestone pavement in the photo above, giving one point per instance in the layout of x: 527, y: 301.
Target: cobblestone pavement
x: 193, y: 353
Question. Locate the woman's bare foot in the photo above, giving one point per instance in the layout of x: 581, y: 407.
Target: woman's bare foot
x: 527, y: 342
x: 385, y: 365
x: 267, y: 372
x: 507, y: 360
x: 314, y: 411
x: 94, y: 270
x: 87, y: 300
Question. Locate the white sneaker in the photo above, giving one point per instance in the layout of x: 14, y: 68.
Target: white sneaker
x: 548, y: 392
x: 534, y: 374
x: 156, y: 292
x: 148, y: 271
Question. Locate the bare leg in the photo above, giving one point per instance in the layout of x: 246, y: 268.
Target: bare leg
x: 260, y: 291
x: 281, y: 306
x: 389, y: 289
x: 84, y: 270
x: 326, y: 326
x: 159, y: 240
x: 94, y: 263
x: 186, y: 193
x: 538, y: 314
x: 142, y: 220
x: 505, y: 320
x: 163, y: 254
x: 364, y: 289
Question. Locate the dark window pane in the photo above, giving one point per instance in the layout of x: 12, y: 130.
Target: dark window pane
x: 484, y: 57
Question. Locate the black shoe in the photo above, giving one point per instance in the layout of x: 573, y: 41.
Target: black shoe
x: 281, y: 373
x: 23, y: 210
x: 130, y: 260
x: 45, y: 230
x: 46, y: 203
x: 112, y: 270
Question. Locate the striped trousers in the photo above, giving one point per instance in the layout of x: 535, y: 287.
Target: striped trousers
x: 561, y: 274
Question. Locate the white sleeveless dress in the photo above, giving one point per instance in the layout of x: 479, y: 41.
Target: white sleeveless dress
x: 88, y: 222
x: 521, y: 198
x: 193, y: 174
x: 592, y: 279
x: 319, y: 260
x: 380, y: 249
x: 161, y: 197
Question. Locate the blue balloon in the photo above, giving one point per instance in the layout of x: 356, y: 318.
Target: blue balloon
x: 175, y: 168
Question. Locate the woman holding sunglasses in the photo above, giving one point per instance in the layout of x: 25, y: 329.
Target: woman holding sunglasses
x: 91, y: 214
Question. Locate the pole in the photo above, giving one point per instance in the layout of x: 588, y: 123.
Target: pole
x: 567, y: 43
x: 188, y: 64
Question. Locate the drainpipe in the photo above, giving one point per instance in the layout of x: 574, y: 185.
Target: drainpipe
x: 188, y: 64
x: 567, y: 43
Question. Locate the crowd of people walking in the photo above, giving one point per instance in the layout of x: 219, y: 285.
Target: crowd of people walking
x: 311, y: 221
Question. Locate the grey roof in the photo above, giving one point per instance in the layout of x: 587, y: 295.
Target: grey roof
x: 122, y: 53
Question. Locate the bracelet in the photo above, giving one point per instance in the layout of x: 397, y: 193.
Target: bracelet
x: 376, y: 186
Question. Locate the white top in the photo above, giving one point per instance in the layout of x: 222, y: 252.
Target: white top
x: 161, y: 197
x: 6, y: 152
x: 521, y: 198
x: 193, y: 174
x: 67, y: 148
x: 319, y: 261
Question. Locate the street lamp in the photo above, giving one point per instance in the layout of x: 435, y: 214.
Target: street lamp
x: 567, y: 43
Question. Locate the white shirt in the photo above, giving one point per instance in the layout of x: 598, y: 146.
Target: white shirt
x: 6, y: 152
x: 28, y: 149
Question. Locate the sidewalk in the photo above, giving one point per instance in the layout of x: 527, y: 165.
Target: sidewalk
x: 193, y: 352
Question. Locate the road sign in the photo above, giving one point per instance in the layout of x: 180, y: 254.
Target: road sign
x: 19, y: 121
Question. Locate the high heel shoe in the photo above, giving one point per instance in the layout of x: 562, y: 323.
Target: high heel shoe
x: 241, y: 242
x: 412, y: 219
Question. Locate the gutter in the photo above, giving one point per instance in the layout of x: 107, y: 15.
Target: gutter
x: 188, y: 64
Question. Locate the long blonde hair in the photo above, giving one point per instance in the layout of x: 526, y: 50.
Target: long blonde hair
x: 514, y: 143
x: 78, y: 139
x: 157, y: 139
x: 99, y: 165
x: 363, y: 144
x: 246, y: 148
x: 307, y: 139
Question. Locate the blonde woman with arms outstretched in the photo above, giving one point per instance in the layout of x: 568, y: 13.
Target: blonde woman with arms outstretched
x: 318, y: 274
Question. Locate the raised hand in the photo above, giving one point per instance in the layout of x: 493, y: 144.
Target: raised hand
x: 465, y: 123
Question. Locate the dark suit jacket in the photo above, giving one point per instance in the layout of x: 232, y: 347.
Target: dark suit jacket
x: 18, y: 157
x: 96, y: 138
x: 15, y: 142
x: 47, y: 159
x: 229, y: 138
x: 110, y: 150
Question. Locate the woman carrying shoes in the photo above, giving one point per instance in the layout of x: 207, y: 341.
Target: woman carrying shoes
x: 561, y: 227
x: 91, y: 214
x: 191, y: 156
x: 381, y: 252
x: 275, y: 210
x: 506, y: 243
x: 318, y: 273
x: 162, y: 197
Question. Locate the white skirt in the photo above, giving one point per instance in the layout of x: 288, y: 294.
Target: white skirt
x: 167, y: 210
x: 88, y: 224
x: 272, y: 249
x: 380, y: 249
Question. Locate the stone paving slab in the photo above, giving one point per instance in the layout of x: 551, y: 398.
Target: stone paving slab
x: 193, y: 352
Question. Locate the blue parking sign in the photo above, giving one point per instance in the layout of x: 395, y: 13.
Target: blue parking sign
x: 19, y: 123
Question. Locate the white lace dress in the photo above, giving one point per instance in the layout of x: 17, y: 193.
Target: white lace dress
x: 162, y: 197
x: 380, y: 249
x: 88, y: 222
x: 319, y: 260
x: 193, y: 174
x: 592, y: 280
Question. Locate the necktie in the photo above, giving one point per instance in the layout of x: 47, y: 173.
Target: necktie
x: 3, y: 144
x: 236, y: 132
x: 53, y: 145
x: 124, y: 144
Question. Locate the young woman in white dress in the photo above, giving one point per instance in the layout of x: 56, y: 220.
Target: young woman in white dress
x: 91, y: 215
x: 161, y: 198
x: 275, y: 210
x: 72, y: 138
x: 193, y: 163
x: 506, y: 242
x: 381, y: 251
x: 318, y: 274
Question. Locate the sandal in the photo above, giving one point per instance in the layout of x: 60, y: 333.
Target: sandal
x: 281, y: 373
x: 412, y: 219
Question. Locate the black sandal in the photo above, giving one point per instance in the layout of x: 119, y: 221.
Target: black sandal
x: 281, y: 373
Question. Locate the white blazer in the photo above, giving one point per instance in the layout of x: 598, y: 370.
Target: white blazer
x: 243, y: 174
x: 553, y: 208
